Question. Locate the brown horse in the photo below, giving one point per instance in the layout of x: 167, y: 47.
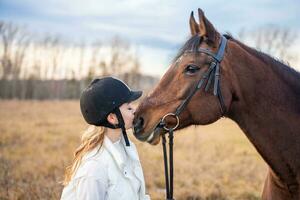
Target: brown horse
x: 261, y: 94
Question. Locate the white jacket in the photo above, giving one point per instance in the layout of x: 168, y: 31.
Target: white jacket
x: 102, y: 175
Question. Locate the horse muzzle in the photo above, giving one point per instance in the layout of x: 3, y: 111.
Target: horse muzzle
x: 150, y: 137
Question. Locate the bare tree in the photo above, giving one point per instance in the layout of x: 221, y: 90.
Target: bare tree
x: 54, y: 45
x: 94, y: 66
x: 82, y: 57
x: 120, y: 56
x: 15, y: 42
x: 135, y: 72
x: 121, y: 60
x: 274, y: 40
x: 36, y: 67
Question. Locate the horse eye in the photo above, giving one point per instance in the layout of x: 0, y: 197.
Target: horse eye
x: 191, y: 69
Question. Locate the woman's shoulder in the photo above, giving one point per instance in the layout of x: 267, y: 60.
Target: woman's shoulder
x: 94, y: 168
x: 98, y: 153
x: 93, y: 164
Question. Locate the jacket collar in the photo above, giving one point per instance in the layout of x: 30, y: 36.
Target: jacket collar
x: 130, y: 150
x: 114, y: 152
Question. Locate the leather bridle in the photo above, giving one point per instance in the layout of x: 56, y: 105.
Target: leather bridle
x: 213, y: 72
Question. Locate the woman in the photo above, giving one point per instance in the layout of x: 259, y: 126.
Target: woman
x: 106, y: 165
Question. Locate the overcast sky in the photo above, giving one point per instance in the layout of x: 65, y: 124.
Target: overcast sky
x: 155, y: 28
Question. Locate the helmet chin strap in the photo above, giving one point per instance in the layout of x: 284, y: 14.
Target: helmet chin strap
x: 122, y: 125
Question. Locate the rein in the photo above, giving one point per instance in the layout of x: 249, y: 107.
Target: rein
x: 213, y: 72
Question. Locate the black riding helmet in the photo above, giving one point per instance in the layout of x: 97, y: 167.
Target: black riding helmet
x: 104, y: 96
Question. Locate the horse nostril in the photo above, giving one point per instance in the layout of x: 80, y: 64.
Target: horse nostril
x: 139, y: 123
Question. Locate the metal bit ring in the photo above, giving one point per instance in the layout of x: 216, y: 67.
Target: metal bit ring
x: 170, y: 114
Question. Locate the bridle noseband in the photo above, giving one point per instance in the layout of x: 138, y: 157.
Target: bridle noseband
x: 213, y: 72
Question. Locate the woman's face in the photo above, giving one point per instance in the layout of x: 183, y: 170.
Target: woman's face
x: 127, y: 111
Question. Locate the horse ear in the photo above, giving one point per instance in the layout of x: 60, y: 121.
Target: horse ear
x: 206, y: 28
x: 193, y: 25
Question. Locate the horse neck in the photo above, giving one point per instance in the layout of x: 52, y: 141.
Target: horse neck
x: 267, y: 110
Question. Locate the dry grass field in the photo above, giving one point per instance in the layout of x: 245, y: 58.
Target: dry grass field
x: 37, y: 140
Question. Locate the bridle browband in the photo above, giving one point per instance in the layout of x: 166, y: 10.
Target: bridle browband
x: 213, y: 72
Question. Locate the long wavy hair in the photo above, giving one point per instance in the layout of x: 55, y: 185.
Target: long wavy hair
x: 92, y: 137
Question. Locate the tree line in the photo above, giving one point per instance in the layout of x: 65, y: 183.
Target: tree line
x: 49, y: 67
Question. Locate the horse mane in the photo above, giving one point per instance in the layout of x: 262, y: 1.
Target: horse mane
x: 284, y: 71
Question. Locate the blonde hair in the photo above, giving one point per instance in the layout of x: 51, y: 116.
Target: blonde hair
x: 92, y: 137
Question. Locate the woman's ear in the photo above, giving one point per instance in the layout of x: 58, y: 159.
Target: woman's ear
x: 112, y: 118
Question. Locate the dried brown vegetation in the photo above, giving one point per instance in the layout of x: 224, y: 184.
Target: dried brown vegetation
x: 37, y: 140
